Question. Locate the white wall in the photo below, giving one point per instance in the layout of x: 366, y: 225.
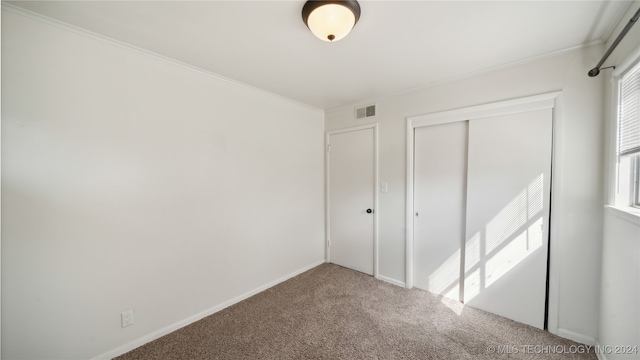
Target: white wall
x: 577, y: 194
x: 620, y: 298
x: 620, y: 292
x: 130, y: 182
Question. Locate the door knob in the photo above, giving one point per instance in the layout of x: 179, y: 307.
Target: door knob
x: 369, y: 211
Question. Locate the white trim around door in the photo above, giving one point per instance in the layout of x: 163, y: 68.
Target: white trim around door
x: 537, y: 102
x: 375, y: 193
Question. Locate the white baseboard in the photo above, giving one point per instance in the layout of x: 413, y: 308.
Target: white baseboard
x: 180, y: 324
x: 391, y: 281
x: 579, y: 338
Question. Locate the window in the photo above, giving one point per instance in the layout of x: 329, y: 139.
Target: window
x: 628, y: 149
x: 636, y: 182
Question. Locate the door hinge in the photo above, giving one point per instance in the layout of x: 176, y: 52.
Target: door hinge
x: 328, y: 148
x: 329, y: 243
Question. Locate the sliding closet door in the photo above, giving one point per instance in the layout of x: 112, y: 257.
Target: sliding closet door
x: 507, y: 223
x: 440, y: 166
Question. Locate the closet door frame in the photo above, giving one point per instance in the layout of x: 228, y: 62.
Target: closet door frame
x: 537, y: 102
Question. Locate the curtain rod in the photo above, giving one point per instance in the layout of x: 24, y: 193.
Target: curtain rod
x: 596, y: 70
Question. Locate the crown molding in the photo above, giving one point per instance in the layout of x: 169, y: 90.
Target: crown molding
x: 470, y: 75
x: 11, y: 8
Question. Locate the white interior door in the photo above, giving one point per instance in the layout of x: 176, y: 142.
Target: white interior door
x: 440, y: 172
x: 507, y: 222
x: 351, y: 199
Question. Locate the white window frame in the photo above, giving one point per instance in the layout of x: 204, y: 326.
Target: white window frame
x: 635, y: 183
x: 626, y: 181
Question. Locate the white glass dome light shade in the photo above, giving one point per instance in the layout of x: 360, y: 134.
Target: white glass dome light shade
x: 331, y: 20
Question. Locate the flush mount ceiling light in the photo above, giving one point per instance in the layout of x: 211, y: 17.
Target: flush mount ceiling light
x: 331, y: 20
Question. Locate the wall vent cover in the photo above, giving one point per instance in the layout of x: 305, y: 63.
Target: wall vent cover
x: 365, y: 112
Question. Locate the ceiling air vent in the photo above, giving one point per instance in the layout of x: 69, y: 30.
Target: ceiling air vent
x: 365, y: 112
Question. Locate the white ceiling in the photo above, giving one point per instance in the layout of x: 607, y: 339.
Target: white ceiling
x: 396, y: 46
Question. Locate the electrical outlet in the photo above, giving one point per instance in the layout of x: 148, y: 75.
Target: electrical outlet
x: 127, y: 318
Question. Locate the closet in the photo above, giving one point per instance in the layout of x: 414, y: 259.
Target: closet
x: 480, y: 191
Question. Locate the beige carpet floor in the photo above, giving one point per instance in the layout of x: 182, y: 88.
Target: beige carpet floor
x: 330, y: 312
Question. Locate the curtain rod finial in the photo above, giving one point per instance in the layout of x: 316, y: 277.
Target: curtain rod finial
x: 594, y: 72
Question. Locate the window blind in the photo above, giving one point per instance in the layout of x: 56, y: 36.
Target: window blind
x: 629, y: 113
